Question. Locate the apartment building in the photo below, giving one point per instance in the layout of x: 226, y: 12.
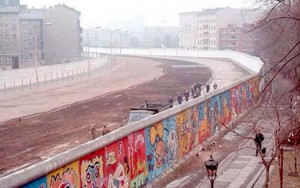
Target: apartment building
x: 63, y: 35
x: 9, y: 37
x: 32, y: 36
x: 237, y: 38
x: 200, y: 30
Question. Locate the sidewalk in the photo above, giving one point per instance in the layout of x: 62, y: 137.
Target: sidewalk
x: 242, y: 168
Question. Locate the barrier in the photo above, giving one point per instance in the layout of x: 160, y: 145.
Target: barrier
x: 138, y: 153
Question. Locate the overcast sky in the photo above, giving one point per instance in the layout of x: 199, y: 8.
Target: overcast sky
x: 97, y: 12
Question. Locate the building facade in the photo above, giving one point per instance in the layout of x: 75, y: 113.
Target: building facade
x: 32, y: 36
x: 238, y: 38
x: 201, y: 30
x: 63, y: 36
x: 9, y: 37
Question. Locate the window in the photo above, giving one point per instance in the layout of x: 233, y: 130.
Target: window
x: 7, y: 48
x: 1, y: 48
x: 24, y: 26
x: 13, y: 27
x: 1, y: 36
x: 0, y: 26
x: 6, y: 26
x: 14, y: 48
x: 6, y: 37
x: 14, y: 37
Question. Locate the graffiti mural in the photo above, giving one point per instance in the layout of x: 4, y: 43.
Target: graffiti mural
x: 142, y: 156
x: 117, y: 164
x: 161, y: 144
x: 67, y: 176
x: 204, y: 126
x: 225, y: 107
x: 215, y: 115
x: 40, y: 183
x: 92, y: 170
x: 137, y: 159
x: 185, y: 133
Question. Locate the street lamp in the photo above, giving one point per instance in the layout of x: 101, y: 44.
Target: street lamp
x: 88, y: 45
x: 211, y: 167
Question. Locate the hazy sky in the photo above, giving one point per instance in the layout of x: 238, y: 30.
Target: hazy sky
x: 97, y: 12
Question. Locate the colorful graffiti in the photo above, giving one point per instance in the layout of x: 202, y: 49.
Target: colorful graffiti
x: 142, y: 156
x: 39, y: 183
x: 161, y: 144
x: 204, y: 128
x: 185, y: 133
x: 67, y: 176
x: 92, y: 170
x: 137, y: 159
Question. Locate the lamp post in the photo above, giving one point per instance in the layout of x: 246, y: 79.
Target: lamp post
x: 211, y: 167
x: 88, y: 45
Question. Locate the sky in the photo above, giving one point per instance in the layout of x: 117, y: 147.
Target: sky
x: 99, y: 12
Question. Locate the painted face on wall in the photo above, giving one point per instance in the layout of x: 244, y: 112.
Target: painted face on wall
x: 67, y: 180
x: 92, y: 173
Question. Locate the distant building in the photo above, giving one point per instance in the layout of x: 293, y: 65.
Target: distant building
x: 5, y: 3
x: 9, y: 37
x: 63, y: 37
x: 200, y: 30
x: 160, y: 35
x: 237, y: 38
x: 32, y: 36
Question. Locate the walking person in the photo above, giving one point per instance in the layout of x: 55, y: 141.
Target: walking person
x: 93, y: 130
x: 259, y: 138
x: 207, y: 88
x: 171, y: 102
x: 179, y: 98
x: 186, y: 95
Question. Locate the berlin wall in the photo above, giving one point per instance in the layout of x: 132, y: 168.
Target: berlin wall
x: 137, y: 154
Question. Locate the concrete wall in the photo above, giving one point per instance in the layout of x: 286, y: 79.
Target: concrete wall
x: 138, y: 153
x: 251, y: 63
x: 17, y: 77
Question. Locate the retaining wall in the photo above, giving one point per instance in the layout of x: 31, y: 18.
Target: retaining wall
x: 26, y: 76
x: 140, y: 152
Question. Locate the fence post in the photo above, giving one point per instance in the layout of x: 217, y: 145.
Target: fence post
x: 44, y: 79
x: 30, y: 83
x: 22, y: 85
x: 5, y: 87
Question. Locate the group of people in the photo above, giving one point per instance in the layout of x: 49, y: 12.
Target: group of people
x: 195, y: 91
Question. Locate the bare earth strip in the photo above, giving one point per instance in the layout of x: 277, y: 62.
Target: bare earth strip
x: 130, y: 73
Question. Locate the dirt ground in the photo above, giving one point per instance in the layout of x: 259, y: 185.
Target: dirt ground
x: 30, y: 139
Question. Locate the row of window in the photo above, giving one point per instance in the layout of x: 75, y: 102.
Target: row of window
x: 7, y: 17
x: 6, y: 26
x: 232, y: 30
x: 235, y: 44
x: 7, y: 48
x: 7, y: 38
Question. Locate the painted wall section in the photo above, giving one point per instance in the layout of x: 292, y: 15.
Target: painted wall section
x: 140, y: 157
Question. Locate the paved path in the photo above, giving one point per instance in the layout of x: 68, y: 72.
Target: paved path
x: 242, y: 168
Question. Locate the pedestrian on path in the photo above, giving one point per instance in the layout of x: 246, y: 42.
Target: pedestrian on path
x: 171, y: 102
x: 215, y: 86
x: 259, y: 138
x: 186, y: 95
x: 93, y: 130
x: 207, y: 88
x: 179, y: 98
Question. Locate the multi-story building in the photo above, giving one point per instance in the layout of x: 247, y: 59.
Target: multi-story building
x: 200, y: 30
x: 5, y: 3
x: 238, y: 38
x: 63, y: 35
x: 32, y: 36
x: 9, y: 36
